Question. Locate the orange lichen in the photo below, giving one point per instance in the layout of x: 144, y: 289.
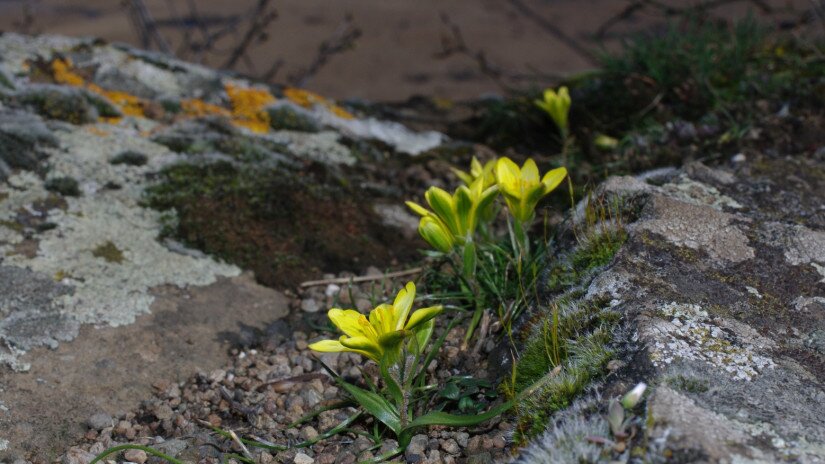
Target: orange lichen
x: 308, y: 99
x: 63, y: 74
x: 199, y: 108
x: 249, y: 107
x: 97, y: 131
x: 128, y: 104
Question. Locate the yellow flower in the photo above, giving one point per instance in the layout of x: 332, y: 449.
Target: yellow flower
x: 478, y: 170
x: 522, y: 189
x: 387, y: 326
x: 605, y: 142
x: 557, y: 105
x: 436, y: 233
x: 453, y: 218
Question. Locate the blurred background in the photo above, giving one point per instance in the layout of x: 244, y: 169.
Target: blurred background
x: 391, y: 50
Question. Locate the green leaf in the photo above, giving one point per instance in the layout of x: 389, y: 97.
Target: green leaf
x: 450, y: 391
x: 469, y: 260
x: 392, y: 384
x: 376, y: 405
x: 418, y: 343
x: 452, y: 420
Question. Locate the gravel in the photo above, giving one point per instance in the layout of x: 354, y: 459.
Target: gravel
x: 265, y: 389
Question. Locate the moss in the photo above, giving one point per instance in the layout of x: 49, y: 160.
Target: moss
x: 596, y: 252
x: 286, y: 227
x: 63, y: 104
x: 131, y: 158
x: 287, y: 118
x: 688, y: 384
x: 66, y: 186
x: 211, y: 136
x: 577, y: 337
x: 13, y: 225
x: 109, y: 252
x: 587, y: 357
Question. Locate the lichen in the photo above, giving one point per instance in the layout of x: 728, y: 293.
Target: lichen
x: 249, y: 107
x: 688, y: 332
x: 699, y: 228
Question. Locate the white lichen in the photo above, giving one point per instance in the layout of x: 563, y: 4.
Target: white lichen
x: 689, y: 332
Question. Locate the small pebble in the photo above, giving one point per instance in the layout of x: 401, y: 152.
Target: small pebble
x: 135, y: 455
x: 302, y: 458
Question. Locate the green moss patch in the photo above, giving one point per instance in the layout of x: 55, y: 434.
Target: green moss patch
x: 575, y: 336
x: 66, y: 186
x: 108, y: 252
x: 285, y: 226
x: 596, y: 251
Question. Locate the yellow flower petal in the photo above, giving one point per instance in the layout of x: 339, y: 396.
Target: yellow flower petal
x: 423, y: 315
x: 327, y: 346
x: 361, y: 344
x: 442, y: 203
x: 530, y: 172
x: 347, y: 321
x: 417, y: 209
x: 382, y: 318
x: 553, y: 178
x: 436, y: 234
x: 507, y: 175
x: 402, y: 304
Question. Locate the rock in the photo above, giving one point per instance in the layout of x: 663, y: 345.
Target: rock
x: 417, y: 449
x: 172, y: 447
x: 714, y: 279
x: 462, y: 438
x: 99, y: 421
x: 135, y: 455
x: 309, y: 305
x: 309, y: 433
x: 302, y: 458
x: 450, y: 446
x: 483, y: 457
x: 77, y: 455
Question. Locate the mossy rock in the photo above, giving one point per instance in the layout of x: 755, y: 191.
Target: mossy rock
x: 283, y: 225
x: 130, y: 158
x: 66, y: 186
x: 72, y: 105
x: 216, y: 135
x: 22, y: 137
x: 287, y: 117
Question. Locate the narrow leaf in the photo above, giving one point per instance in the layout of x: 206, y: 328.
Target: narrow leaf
x: 375, y: 405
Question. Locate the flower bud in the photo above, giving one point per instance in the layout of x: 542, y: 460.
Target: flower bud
x: 632, y: 398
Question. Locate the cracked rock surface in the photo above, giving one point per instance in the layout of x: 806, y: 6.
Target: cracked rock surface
x: 723, y: 289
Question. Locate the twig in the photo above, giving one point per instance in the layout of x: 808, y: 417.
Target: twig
x: 455, y: 44
x: 261, y: 19
x: 344, y: 280
x: 553, y: 30
x: 342, y: 40
x: 145, y: 26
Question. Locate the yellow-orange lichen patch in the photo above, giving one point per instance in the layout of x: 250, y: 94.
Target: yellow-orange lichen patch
x: 63, y: 74
x: 128, y: 104
x: 199, y: 108
x: 308, y: 99
x: 249, y: 107
x: 97, y: 131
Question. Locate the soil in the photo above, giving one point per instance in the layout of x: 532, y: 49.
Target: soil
x: 106, y: 370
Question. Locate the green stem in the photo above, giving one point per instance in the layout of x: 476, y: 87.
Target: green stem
x: 146, y: 449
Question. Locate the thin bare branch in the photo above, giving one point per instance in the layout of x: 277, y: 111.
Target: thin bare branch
x: 553, y: 30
